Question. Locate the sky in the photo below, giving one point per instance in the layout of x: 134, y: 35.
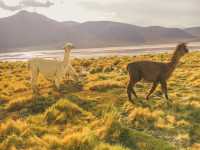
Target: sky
x: 168, y: 13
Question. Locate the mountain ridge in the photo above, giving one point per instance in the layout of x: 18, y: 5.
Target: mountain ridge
x: 33, y: 30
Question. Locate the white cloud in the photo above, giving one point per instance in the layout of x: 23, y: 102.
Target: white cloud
x: 3, y: 5
x: 172, y: 13
x: 35, y: 3
x: 150, y: 12
x: 25, y: 4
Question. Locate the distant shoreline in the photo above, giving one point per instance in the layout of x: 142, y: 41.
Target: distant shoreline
x: 95, y: 52
x: 137, y: 46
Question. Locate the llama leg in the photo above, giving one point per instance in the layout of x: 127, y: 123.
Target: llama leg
x: 155, y: 84
x: 67, y: 76
x: 34, y: 77
x: 34, y: 87
x: 73, y: 72
x: 164, y: 89
x: 133, y: 80
x: 130, y: 90
x: 57, y: 83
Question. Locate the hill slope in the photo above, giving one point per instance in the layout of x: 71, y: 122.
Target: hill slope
x: 27, y: 30
x: 195, y: 31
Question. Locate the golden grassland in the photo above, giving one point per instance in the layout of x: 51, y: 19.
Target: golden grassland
x: 95, y: 114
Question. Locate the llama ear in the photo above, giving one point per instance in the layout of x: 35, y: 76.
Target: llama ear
x: 185, y: 43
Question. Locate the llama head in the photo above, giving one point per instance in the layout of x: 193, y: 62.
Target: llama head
x: 182, y: 49
x: 68, y: 47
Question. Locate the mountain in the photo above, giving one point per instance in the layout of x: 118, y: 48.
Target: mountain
x: 70, y: 23
x: 195, y: 31
x: 29, y: 29
x: 162, y: 34
x: 32, y: 30
x: 105, y: 33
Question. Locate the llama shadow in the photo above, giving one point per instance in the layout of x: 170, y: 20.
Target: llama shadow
x: 67, y: 87
x: 152, y: 103
x: 85, y: 104
x: 71, y: 86
x: 26, y: 108
x: 140, y: 102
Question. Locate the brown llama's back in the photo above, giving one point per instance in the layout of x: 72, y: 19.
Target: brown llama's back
x: 148, y: 70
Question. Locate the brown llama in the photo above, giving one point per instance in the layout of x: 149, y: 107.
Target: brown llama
x: 155, y: 72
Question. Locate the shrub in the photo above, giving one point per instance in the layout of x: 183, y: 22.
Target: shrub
x: 139, y: 117
x: 39, y: 105
x: 108, y: 69
x: 13, y: 141
x: 96, y: 70
x: 65, y: 111
x: 194, y: 115
x: 15, y: 134
x: 104, y: 146
x: 16, y: 105
x: 115, y: 133
x: 32, y: 106
x: 12, y: 128
x: 83, y: 140
x: 53, y: 142
x: 104, y: 85
x: 195, y: 134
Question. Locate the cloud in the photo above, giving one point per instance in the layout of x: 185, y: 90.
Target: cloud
x: 34, y: 3
x: 25, y: 4
x: 148, y: 12
x: 7, y: 7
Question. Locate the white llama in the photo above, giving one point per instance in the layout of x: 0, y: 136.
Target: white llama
x: 52, y: 69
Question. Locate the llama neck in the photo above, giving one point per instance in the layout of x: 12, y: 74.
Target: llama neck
x: 66, y: 59
x: 174, y: 61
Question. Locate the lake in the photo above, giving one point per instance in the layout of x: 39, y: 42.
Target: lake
x: 96, y: 52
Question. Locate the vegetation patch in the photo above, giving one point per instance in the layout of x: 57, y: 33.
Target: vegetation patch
x: 65, y: 111
x: 95, y: 114
x: 104, y: 85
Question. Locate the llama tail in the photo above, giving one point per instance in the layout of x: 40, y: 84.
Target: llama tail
x: 128, y: 67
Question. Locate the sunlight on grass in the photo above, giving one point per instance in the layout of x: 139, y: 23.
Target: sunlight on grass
x: 95, y: 114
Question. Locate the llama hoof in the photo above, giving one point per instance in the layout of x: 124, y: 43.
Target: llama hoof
x: 58, y: 89
x: 169, y: 101
x: 35, y: 95
x: 130, y: 100
x: 168, y: 104
x: 35, y: 91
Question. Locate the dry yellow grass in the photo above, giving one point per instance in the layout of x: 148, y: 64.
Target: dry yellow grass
x: 95, y: 114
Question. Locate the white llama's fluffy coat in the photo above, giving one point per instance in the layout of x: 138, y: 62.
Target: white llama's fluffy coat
x: 51, y: 69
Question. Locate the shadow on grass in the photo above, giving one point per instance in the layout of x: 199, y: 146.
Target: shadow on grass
x: 114, y: 132
x: 89, y: 105
x: 31, y: 106
x: 71, y: 86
